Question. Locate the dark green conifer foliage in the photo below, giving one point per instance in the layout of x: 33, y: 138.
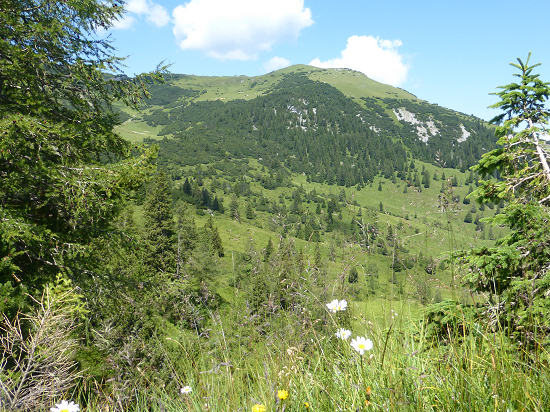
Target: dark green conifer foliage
x: 353, y: 276
x: 516, y: 269
x: 159, y: 233
x: 217, y: 242
x: 318, y: 209
x: 318, y: 257
x: 249, y: 213
x: 269, y: 248
x: 186, y: 233
x: 64, y: 171
x: 426, y: 179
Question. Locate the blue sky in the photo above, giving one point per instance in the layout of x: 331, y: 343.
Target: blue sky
x: 453, y: 53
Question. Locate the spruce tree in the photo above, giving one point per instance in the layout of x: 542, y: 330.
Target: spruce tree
x: 215, y: 239
x: 269, y: 248
x: 249, y: 213
x: 65, y: 172
x: 517, y: 266
x: 159, y: 233
x: 186, y: 233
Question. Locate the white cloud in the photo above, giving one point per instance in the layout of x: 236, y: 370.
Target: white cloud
x: 276, y: 63
x: 379, y: 59
x: 158, y: 15
x: 154, y: 13
x: 125, y: 22
x: 238, y: 29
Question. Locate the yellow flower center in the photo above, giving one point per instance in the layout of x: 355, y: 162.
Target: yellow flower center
x: 64, y: 410
x: 361, y: 346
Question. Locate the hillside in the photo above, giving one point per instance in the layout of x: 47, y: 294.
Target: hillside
x: 299, y: 241
x: 301, y: 110
x: 368, y: 171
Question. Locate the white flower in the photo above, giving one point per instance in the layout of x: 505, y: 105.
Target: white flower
x: 65, y: 406
x: 361, y: 344
x: 332, y: 305
x: 186, y: 390
x: 343, y: 333
x: 342, y: 305
x: 337, y: 305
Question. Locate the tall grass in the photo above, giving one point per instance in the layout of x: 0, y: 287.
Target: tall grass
x: 241, y: 365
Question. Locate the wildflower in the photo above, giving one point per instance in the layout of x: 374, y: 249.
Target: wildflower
x: 186, y: 390
x: 282, y: 394
x: 361, y: 344
x: 258, y: 408
x: 343, y: 333
x: 337, y: 305
x: 306, y: 404
x: 65, y: 406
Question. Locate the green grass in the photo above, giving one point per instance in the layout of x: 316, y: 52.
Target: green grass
x: 237, y: 367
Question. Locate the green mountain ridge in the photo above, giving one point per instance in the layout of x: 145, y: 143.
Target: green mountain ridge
x: 326, y: 157
x: 315, y: 102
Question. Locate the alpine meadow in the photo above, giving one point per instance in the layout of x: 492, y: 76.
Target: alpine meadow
x: 304, y: 240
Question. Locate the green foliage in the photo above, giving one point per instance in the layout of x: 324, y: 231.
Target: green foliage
x: 159, y: 232
x: 12, y: 299
x: 449, y: 321
x: 515, y: 271
x: 64, y: 171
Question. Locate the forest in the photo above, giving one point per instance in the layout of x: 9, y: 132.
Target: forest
x: 296, y: 250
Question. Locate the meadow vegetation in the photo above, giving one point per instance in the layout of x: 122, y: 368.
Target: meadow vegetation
x: 236, y: 263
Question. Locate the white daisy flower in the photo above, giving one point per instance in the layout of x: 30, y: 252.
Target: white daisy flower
x: 361, y: 344
x: 342, y: 305
x: 337, y: 305
x: 65, y: 406
x: 332, y: 305
x: 343, y: 333
x: 186, y: 390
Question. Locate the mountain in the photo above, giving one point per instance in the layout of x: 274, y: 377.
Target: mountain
x: 322, y: 156
x: 334, y: 125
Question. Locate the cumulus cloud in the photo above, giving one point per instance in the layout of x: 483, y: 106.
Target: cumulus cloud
x: 238, y: 29
x: 276, y: 63
x: 379, y: 59
x: 124, y: 23
x: 153, y: 12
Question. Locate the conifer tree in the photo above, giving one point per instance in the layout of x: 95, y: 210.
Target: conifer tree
x: 186, y: 233
x: 64, y: 170
x: 249, y: 213
x: 268, y: 250
x: 517, y: 267
x: 159, y: 233
x: 426, y: 179
x: 215, y: 238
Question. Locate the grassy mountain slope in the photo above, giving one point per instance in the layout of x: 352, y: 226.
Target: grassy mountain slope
x: 369, y: 172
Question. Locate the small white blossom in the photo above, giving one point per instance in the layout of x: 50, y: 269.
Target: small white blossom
x: 361, y: 344
x: 337, y: 305
x: 186, y: 390
x: 343, y: 333
x: 65, y: 406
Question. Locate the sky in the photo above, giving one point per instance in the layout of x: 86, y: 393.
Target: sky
x: 452, y: 53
